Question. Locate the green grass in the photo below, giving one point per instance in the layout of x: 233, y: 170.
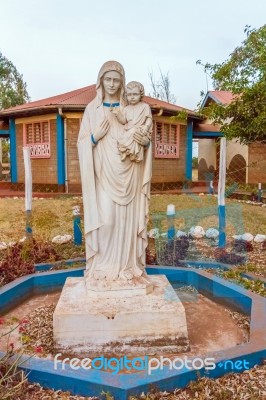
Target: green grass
x: 53, y: 217
x: 50, y: 217
x: 202, y: 210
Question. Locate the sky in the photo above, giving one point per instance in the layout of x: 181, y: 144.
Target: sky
x: 60, y: 45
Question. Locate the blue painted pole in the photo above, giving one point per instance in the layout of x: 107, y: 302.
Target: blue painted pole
x: 28, y: 191
x: 221, y: 194
x: 170, y: 222
x: 77, y: 231
x: 222, y: 225
x: 13, y: 151
x: 28, y: 224
x: 60, y: 150
x: 189, y: 150
x: 76, y: 226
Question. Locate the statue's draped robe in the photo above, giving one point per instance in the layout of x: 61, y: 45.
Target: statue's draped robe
x: 115, y: 197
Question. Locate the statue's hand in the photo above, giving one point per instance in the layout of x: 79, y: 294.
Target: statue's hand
x: 141, y: 139
x: 116, y: 111
x: 102, y: 130
x: 143, y: 129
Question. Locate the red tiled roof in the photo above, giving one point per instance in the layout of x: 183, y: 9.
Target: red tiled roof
x: 76, y: 97
x: 81, y: 97
x: 222, y: 96
x: 156, y: 103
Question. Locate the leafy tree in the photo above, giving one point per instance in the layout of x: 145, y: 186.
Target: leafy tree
x: 244, y: 74
x: 161, y: 88
x: 195, y: 162
x: 12, y: 87
x: 5, y: 150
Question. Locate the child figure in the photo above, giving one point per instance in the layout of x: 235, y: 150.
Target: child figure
x: 136, y: 117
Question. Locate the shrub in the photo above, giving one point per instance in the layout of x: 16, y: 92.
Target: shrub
x: 19, y: 259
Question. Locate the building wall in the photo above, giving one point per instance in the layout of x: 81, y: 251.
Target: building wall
x: 73, y: 126
x: 207, y: 151
x: 207, y: 159
x: 237, y: 161
x: 232, y: 148
x: 169, y: 169
x: 44, y: 170
x: 257, y: 163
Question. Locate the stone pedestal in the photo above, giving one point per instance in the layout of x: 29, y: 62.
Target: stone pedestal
x: 118, y: 289
x: 115, y: 321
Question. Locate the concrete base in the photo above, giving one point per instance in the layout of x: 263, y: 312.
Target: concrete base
x: 144, y: 324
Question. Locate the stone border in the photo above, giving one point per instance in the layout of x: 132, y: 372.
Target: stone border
x: 121, y: 386
x: 46, y: 266
x: 253, y: 277
x: 225, y: 267
x: 205, y: 264
x: 22, y: 288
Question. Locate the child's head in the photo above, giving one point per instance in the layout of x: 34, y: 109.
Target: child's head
x: 134, y: 92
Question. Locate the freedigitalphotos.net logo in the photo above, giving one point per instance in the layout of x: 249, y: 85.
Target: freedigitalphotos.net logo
x: 122, y: 364
x: 116, y: 365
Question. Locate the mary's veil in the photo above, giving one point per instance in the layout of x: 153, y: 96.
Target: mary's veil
x: 107, y: 67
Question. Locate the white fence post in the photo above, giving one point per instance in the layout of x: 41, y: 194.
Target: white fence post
x: 28, y: 190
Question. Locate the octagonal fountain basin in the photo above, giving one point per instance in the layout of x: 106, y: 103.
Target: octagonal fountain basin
x: 213, y: 335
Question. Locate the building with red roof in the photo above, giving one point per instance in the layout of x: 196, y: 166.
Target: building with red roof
x: 245, y: 164
x: 50, y: 128
x: 218, y: 96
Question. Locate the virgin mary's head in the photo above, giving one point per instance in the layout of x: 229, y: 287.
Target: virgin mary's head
x: 111, y: 70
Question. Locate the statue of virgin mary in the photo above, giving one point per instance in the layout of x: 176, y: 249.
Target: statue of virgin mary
x: 116, y: 193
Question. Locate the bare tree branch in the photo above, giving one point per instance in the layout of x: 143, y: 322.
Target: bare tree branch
x: 161, y: 88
